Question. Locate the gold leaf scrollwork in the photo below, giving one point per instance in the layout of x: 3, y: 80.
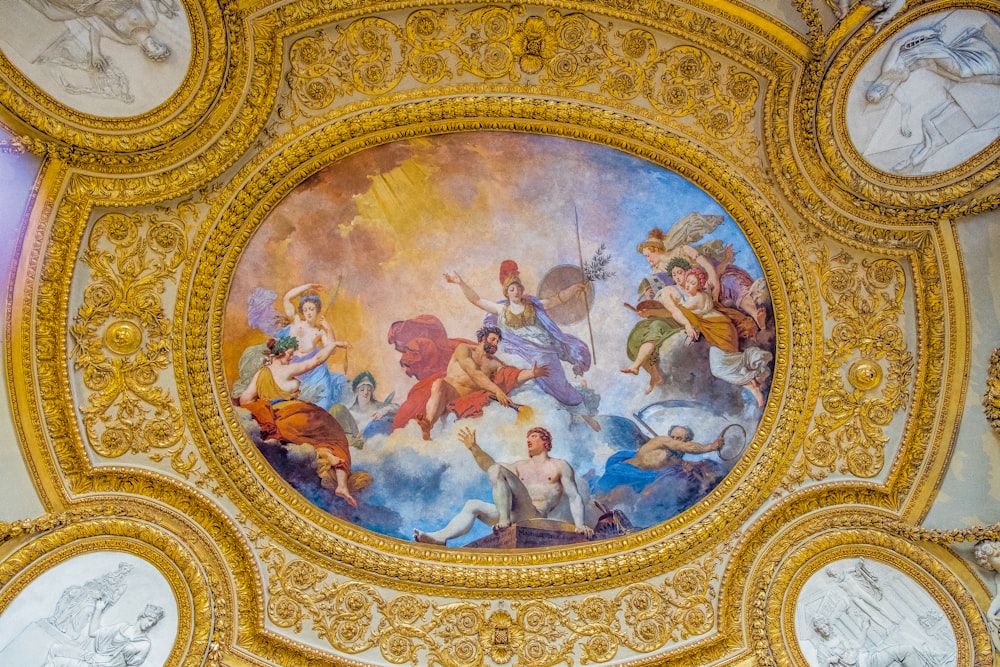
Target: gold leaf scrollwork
x: 864, y: 302
x: 121, y: 334
x: 991, y: 399
x: 690, y: 85
x: 372, y: 56
x: 353, y: 617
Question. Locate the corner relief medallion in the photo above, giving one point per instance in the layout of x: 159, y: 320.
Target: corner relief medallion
x: 928, y: 99
x: 82, y: 54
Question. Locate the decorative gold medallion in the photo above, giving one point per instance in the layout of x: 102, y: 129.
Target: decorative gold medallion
x: 123, y: 337
x: 864, y: 374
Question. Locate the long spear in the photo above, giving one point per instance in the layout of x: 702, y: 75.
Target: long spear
x: 333, y: 300
x: 586, y: 300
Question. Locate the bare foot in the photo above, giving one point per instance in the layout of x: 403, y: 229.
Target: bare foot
x: 593, y: 423
x: 497, y: 527
x: 426, y: 538
x: 425, y: 427
x: 346, y: 495
x: 655, y: 377
x: 631, y: 371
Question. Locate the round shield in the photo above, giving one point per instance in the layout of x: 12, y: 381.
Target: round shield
x: 575, y: 308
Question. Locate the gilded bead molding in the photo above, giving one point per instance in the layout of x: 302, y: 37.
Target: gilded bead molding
x: 991, y: 398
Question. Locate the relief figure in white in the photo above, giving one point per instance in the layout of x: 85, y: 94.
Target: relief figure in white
x: 886, y: 9
x: 859, y: 613
x: 98, y: 623
x: 75, y: 607
x: 88, y: 23
x: 970, y: 57
x: 833, y: 650
x: 116, y: 645
x: 987, y: 554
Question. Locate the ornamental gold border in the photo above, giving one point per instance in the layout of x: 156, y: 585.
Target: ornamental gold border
x: 803, y: 548
x: 292, y: 521
x: 192, y: 591
x: 919, y: 238
x: 852, y: 171
x: 175, y: 116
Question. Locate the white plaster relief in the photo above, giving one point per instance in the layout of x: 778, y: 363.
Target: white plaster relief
x: 97, y: 610
x: 862, y: 613
x: 103, y: 57
x: 987, y: 554
x: 929, y: 99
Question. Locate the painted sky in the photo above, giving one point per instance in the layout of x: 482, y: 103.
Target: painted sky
x: 385, y: 224
x: 379, y: 229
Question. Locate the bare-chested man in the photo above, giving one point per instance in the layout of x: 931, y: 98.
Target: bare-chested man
x: 640, y: 468
x: 476, y: 375
x: 527, y: 489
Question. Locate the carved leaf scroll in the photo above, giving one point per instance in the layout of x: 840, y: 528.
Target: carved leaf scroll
x: 373, y: 56
x: 354, y: 617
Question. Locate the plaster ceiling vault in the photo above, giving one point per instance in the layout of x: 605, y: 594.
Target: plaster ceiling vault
x: 164, y: 163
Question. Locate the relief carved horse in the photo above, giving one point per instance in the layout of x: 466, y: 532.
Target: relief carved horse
x: 970, y: 57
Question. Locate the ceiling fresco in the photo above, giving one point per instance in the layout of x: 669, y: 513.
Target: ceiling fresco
x: 467, y: 335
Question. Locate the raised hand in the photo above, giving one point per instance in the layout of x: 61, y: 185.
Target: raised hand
x: 468, y: 437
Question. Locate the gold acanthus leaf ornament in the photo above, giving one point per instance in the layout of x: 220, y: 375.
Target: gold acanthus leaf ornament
x: 863, y: 301
x: 121, y: 335
x: 991, y: 399
x: 354, y: 617
x: 373, y: 56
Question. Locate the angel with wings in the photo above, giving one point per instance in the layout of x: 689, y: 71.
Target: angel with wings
x: 674, y: 251
x: 732, y: 284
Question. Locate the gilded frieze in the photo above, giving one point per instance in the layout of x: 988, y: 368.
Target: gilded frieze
x: 991, y: 398
x: 372, y: 56
x: 355, y: 617
x: 121, y: 333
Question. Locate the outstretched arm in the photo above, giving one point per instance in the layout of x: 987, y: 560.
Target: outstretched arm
x: 575, y: 499
x: 289, y: 299
x: 330, y: 344
x: 100, y: 604
x: 471, y: 294
x: 476, y: 374
x: 661, y: 442
x: 535, y: 371
x: 468, y: 438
